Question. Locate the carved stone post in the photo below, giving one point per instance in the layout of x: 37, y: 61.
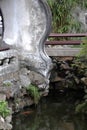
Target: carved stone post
x: 27, y: 24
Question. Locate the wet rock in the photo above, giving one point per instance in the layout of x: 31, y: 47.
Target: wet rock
x: 36, y: 78
x: 39, y: 81
x: 65, y: 66
x: 24, y: 77
x: 67, y: 58
x: 8, y: 119
x: 76, y: 79
x: 22, y: 102
x: 10, y: 89
x: 69, y: 84
x: 85, y: 74
x: 5, y: 124
x: 25, y: 81
x: 84, y: 80
x: 69, y: 73
x: 2, y: 123
x: 2, y: 97
x: 57, y: 79
x: 8, y: 126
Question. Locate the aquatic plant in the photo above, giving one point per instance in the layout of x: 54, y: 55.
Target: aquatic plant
x: 34, y: 92
x: 4, y: 110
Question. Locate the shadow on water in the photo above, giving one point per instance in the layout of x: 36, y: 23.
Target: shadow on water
x: 55, y: 112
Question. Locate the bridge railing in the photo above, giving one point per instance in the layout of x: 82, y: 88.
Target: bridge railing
x: 66, y: 42
x: 65, y: 39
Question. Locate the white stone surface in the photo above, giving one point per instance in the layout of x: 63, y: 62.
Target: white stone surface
x: 27, y: 24
x: 9, y: 62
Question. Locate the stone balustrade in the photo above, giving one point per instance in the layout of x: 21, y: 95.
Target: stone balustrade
x: 9, y: 65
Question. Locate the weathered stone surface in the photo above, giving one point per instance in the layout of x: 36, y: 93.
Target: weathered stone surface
x: 7, y: 81
x: 85, y: 74
x: 24, y: 77
x: 8, y: 119
x: 2, y: 97
x: 8, y: 126
x: 66, y: 58
x: 69, y: 74
x: 10, y: 88
x: 9, y: 61
x: 57, y: 79
x: 5, y: 123
x: 39, y: 80
x: 25, y: 81
x: 65, y: 66
x: 76, y: 79
x: 36, y: 78
x: 22, y: 102
x: 27, y: 26
x: 2, y: 123
x: 84, y: 80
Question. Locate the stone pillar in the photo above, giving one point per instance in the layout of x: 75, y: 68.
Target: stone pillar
x: 27, y: 24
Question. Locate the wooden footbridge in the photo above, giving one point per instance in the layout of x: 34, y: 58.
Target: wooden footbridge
x: 65, y: 46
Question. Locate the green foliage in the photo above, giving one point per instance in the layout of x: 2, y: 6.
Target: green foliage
x: 4, y: 111
x: 7, y: 84
x: 82, y: 107
x: 83, y: 52
x: 63, y: 20
x: 33, y: 91
x: 82, y: 65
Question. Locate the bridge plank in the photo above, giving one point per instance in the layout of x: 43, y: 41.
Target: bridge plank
x: 65, y: 42
x: 68, y: 35
x: 63, y: 51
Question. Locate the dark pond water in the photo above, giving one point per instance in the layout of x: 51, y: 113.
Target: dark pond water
x: 55, y: 112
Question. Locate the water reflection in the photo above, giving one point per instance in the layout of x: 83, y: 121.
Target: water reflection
x: 51, y: 114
